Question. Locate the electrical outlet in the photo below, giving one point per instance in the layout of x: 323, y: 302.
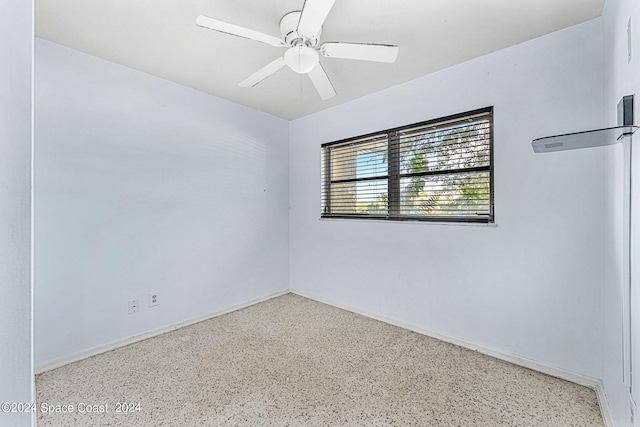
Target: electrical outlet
x: 154, y: 299
x: 134, y: 306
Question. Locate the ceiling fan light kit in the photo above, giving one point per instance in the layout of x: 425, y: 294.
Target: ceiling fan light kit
x: 301, y: 58
x: 301, y: 35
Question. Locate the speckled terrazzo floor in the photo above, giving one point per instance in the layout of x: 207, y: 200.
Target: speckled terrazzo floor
x: 291, y: 361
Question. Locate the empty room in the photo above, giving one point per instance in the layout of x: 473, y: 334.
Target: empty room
x: 320, y: 213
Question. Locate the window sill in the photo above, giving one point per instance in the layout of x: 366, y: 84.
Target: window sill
x: 378, y: 221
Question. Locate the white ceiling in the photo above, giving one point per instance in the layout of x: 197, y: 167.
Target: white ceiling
x: 160, y: 37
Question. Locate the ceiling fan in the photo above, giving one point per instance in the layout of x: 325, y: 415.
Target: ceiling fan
x: 301, y: 35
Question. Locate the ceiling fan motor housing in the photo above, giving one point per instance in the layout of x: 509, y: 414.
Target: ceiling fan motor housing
x: 290, y: 34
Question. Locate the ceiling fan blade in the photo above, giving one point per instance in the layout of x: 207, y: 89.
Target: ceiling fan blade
x: 235, y: 30
x: 321, y: 82
x: 314, y: 12
x: 361, y: 51
x: 262, y: 73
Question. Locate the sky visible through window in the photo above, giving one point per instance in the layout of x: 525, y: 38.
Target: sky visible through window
x: 369, y: 165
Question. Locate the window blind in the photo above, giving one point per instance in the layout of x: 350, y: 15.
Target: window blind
x: 440, y: 170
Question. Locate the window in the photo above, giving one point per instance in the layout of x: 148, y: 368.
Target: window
x: 440, y: 170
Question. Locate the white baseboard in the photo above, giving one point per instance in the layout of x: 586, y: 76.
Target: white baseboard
x: 126, y: 341
x: 554, y: 371
x: 604, y: 406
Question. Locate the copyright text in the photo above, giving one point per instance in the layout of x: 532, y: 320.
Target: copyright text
x: 81, y: 408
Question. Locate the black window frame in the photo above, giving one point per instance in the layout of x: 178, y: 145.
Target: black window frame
x: 394, y: 174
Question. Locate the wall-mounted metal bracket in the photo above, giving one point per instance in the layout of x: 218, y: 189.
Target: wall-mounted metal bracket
x: 591, y: 138
x: 586, y: 139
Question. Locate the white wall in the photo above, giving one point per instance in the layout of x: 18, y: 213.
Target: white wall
x: 530, y: 286
x: 16, y: 362
x: 621, y: 78
x: 143, y: 185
